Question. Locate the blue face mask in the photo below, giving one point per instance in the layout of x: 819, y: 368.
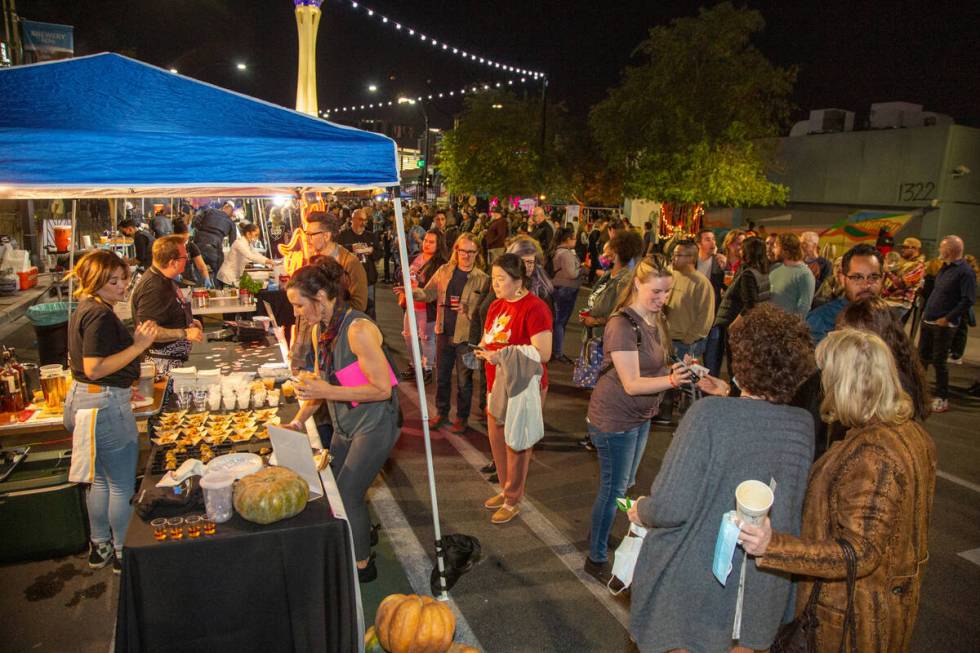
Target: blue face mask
x: 725, y: 545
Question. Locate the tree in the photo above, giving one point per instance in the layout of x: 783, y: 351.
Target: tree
x: 495, y: 148
x: 684, y: 125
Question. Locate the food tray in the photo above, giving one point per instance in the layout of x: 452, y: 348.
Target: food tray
x: 158, y: 464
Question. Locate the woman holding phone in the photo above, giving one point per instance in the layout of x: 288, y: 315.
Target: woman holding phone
x: 364, y: 416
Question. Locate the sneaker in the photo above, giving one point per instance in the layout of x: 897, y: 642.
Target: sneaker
x: 940, y: 405
x: 955, y: 361
x: 662, y: 420
x: 505, y: 514
x: 426, y: 376
x: 494, y: 502
x: 437, y: 421
x: 408, y: 374
x: 493, y: 478
x: 586, y: 443
x: 369, y: 573
x: 117, y: 563
x: 99, y: 554
x: 598, y: 570
x: 459, y: 427
x: 489, y: 468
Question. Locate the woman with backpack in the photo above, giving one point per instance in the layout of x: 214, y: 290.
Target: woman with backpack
x: 627, y: 394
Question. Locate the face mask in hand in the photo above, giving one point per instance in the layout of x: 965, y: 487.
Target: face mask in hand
x: 605, y: 262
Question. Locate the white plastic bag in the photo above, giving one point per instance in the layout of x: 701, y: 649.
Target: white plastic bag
x: 624, y: 560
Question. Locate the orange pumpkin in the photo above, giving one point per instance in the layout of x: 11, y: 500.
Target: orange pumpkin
x: 409, y: 623
x: 458, y: 647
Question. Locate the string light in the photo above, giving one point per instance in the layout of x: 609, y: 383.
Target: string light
x: 326, y: 113
x: 371, y: 13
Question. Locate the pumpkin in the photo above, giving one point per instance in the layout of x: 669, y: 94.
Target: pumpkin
x: 371, y: 643
x: 271, y: 494
x: 459, y: 647
x: 414, y: 624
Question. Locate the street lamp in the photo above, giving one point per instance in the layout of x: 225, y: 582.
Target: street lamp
x: 425, y: 146
x: 241, y: 66
x: 373, y: 88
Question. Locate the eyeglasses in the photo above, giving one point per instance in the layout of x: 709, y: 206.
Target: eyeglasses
x: 861, y: 278
x: 680, y: 255
x: 177, y: 258
x: 310, y: 234
x: 466, y: 251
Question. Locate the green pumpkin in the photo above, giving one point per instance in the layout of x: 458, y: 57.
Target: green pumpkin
x: 270, y: 495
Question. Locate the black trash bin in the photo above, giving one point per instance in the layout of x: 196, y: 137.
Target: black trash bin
x: 50, y: 323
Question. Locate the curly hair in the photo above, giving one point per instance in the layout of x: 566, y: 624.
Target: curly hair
x: 875, y: 315
x: 772, y: 353
x: 626, y: 245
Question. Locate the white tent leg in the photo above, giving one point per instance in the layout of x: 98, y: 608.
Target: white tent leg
x: 413, y: 328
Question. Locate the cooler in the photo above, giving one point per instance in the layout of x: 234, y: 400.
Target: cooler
x: 43, y: 515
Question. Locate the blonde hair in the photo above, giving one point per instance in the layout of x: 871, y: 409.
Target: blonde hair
x: 651, y: 267
x: 93, y: 271
x: 860, y: 380
x: 466, y: 235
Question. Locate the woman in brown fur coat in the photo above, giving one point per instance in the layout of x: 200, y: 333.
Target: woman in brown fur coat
x: 874, y: 489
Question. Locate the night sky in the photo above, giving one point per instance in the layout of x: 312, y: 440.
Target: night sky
x: 850, y: 53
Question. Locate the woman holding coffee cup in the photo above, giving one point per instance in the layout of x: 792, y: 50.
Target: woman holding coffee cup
x: 873, y: 489
x: 722, y: 441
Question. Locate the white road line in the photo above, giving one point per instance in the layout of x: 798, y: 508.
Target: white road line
x: 959, y: 481
x: 550, y: 535
x: 412, y: 555
x: 973, y: 555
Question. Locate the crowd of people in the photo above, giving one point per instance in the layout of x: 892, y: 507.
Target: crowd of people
x: 811, y: 380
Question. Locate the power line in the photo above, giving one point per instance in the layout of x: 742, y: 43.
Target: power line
x: 471, y: 89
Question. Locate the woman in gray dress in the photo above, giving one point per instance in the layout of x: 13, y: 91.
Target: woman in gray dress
x: 677, y: 605
x: 346, y: 343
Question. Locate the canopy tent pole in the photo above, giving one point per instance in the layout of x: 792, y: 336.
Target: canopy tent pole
x: 71, y: 253
x: 413, y: 329
x: 260, y: 215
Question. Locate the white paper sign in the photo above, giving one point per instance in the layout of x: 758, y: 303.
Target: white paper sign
x: 292, y: 450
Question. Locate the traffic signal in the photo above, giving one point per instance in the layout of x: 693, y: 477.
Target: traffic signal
x: 420, y: 163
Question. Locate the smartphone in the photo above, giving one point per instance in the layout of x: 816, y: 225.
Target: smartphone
x: 624, y: 503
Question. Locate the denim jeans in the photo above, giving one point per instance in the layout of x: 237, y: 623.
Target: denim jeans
x: 564, y: 299
x: 620, y: 454
x: 369, y: 309
x: 449, y: 357
x: 935, y: 343
x: 714, y: 350
x: 427, y: 339
x: 116, y: 451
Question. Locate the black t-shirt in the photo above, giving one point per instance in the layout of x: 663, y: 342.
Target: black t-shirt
x: 358, y: 245
x: 95, y: 332
x: 454, y: 289
x: 156, y: 298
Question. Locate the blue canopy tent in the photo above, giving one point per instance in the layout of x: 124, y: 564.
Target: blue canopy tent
x: 106, y: 126
x: 109, y: 126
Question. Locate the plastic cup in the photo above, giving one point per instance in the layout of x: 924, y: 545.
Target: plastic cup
x: 228, y: 401
x: 194, y: 523
x: 175, y: 526
x: 273, y: 398
x: 258, y: 398
x: 243, y: 401
x: 159, y: 528
x: 218, y: 491
x: 753, y: 499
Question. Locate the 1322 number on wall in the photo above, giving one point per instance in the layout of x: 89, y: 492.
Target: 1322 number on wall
x: 916, y: 191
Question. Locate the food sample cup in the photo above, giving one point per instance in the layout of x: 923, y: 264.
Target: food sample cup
x: 273, y: 398
x: 753, y: 499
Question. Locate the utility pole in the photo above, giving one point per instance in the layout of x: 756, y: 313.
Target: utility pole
x: 425, y: 154
x: 541, y: 145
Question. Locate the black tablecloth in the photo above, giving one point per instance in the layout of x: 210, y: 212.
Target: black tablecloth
x: 288, y: 586
x: 281, y: 307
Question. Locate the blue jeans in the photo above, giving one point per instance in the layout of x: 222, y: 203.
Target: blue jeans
x: 116, y: 451
x: 714, y: 350
x: 695, y: 349
x: 619, y: 458
x: 449, y: 358
x: 564, y: 299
